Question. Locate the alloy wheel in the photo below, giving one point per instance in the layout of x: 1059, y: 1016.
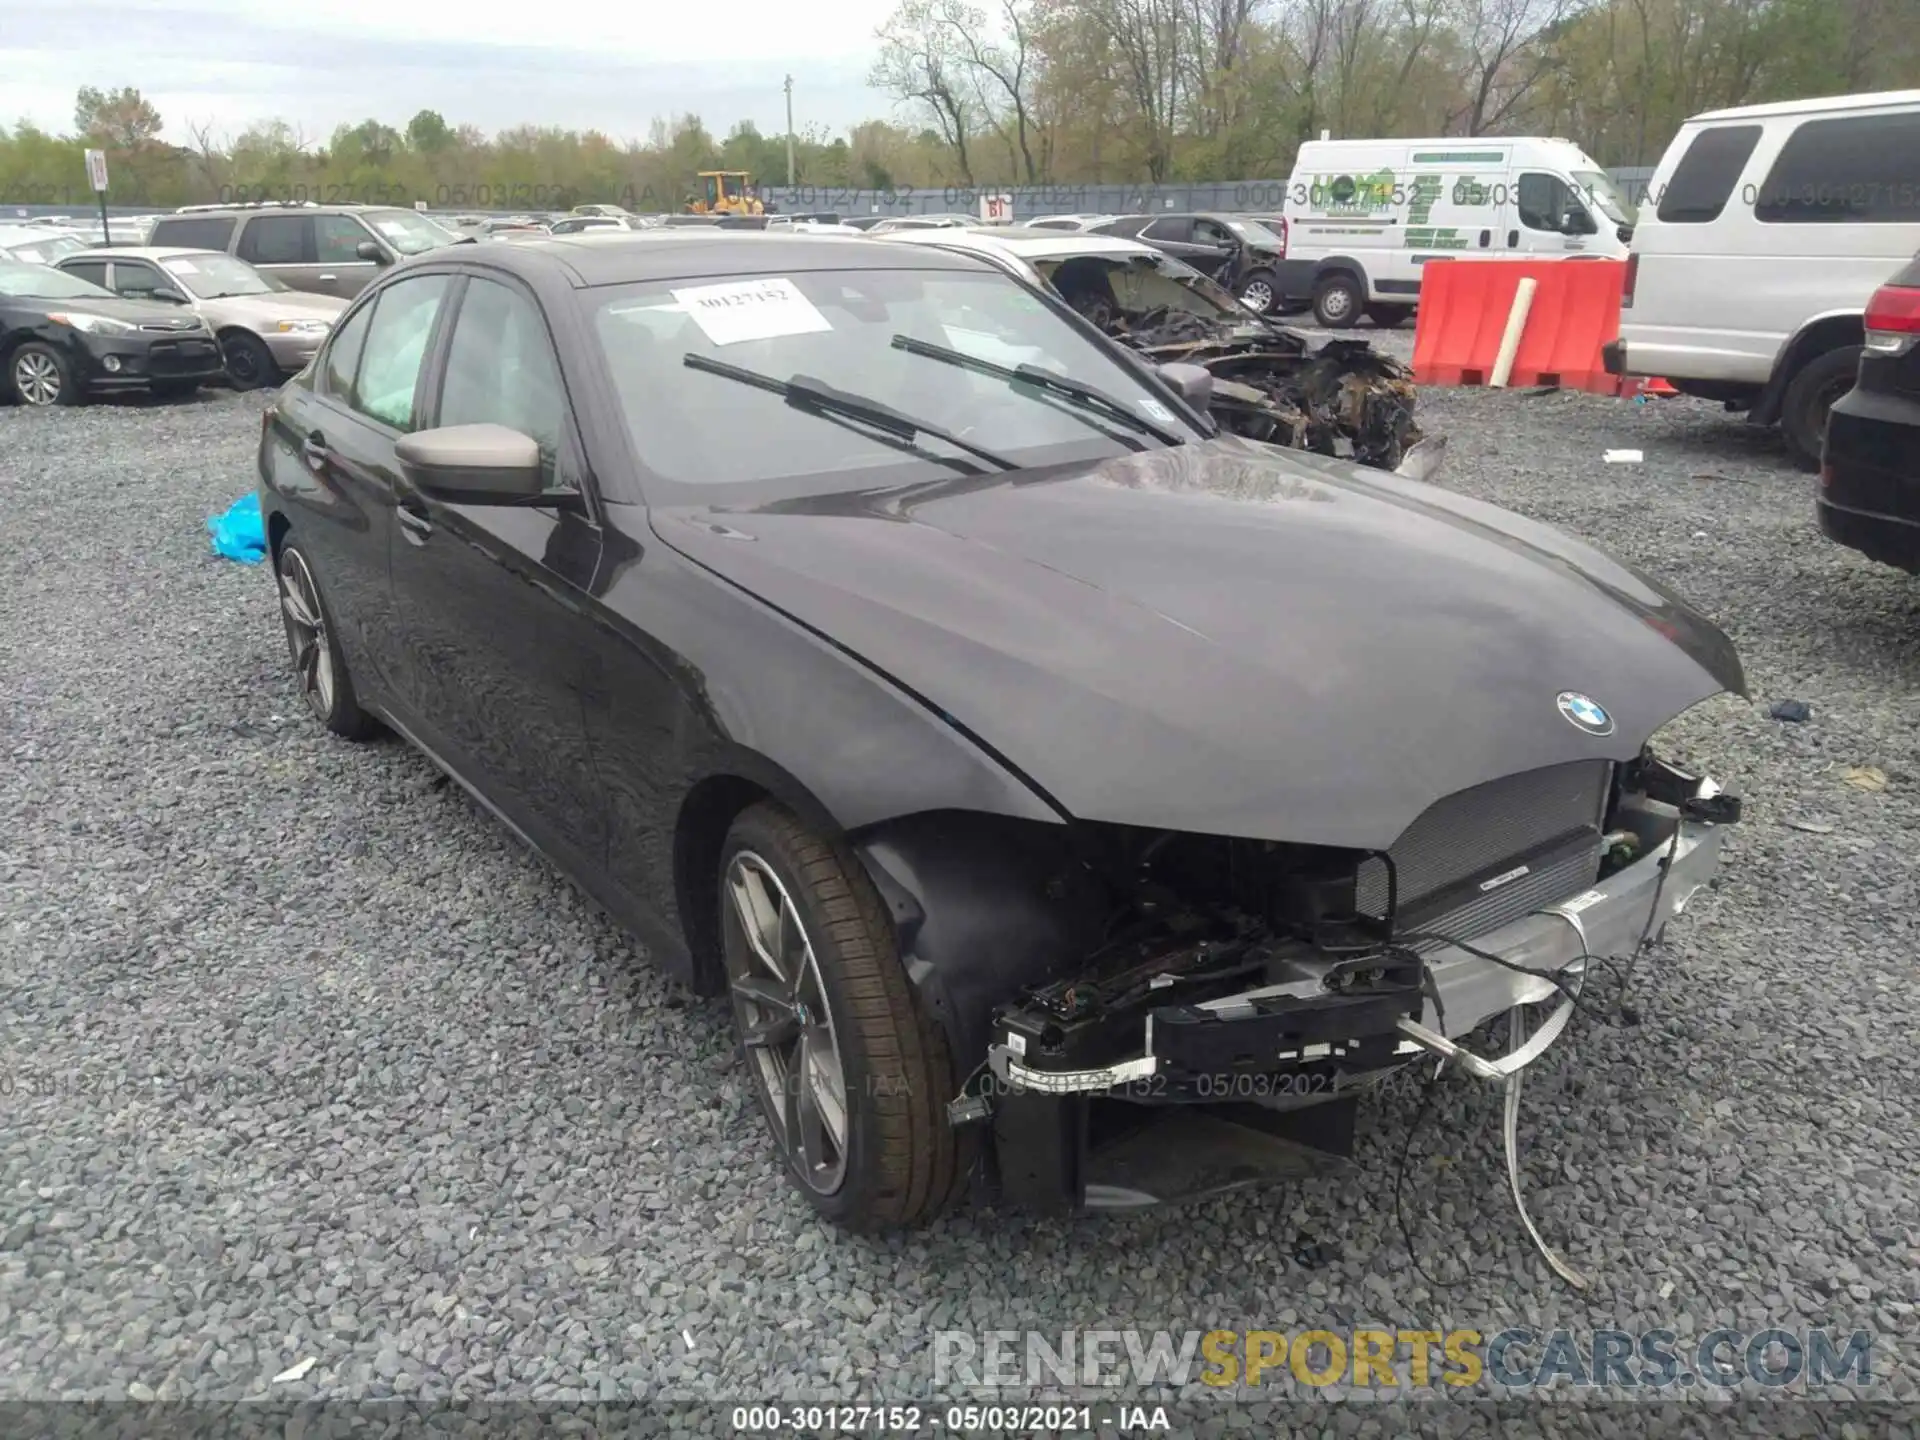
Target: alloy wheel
x: 307, y: 640
x: 36, y: 378
x: 786, y: 1022
x: 1257, y: 296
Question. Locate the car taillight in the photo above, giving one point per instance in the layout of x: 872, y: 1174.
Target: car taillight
x: 1281, y: 231
x: 1893, y: 319
x: 1626, y: 285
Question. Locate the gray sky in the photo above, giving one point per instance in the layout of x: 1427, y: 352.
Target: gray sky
x: 318, y: 63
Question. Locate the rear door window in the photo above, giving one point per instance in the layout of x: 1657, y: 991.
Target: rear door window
x: 343, y: 354
x: 1703, y: 181
x: 395, y: 349
x: 278, y: 240
x: 1170, y: 228
x: 1863, y: 169
x: 193, y: 232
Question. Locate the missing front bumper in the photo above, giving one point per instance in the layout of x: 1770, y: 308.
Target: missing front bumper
x: 1280, y: 1065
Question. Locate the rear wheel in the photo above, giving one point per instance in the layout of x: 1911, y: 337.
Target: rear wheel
x: 318, y: 666
x: 39, y: 375
x: 1803, y: 413
x: 1337, y: 301
x: 853, y: 1080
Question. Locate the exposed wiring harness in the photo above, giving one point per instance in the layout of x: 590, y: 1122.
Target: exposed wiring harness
x: 1574, y: 996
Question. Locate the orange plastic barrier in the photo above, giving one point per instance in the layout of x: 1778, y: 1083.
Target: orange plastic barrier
x: 1464, y: 306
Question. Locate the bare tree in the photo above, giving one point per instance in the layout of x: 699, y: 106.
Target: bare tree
x: 1506, y: 56
x: 917, y: 67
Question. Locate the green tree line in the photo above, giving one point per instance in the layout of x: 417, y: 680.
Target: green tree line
x: 1066, y: 92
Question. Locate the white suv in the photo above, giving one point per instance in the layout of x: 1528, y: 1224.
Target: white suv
x: 1763, y: 234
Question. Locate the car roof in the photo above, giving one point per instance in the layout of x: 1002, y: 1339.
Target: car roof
x: 1884, y: 99
x: 630, y: 257
x: 142, y: 252
x: 1028, y: 244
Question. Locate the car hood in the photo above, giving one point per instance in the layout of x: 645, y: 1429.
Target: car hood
x: 263, y: 312
x: 1229, y: 638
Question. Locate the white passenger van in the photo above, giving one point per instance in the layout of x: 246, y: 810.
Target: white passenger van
x: 1364, y: 215
x: 1764, y: 232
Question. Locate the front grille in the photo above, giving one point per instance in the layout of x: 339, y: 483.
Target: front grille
x: 1548, y: 820
x: 177, y: 357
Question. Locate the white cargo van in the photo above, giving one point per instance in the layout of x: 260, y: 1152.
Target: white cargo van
x: 1764, y: 232
x: 1364, y: 215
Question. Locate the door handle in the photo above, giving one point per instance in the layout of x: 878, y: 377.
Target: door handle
x: 328, y: 279
x: 313, y: 450
x: 1513, y: 238
x: 415, y: 526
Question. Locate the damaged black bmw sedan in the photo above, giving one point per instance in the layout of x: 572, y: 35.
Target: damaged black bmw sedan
x: 1041, y: 771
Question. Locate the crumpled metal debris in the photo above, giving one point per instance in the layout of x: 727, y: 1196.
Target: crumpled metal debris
x: 1341, y: 398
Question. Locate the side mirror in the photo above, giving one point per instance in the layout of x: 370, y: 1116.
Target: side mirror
x: 1193, y: 382
x: 168, y: 295
x: 371, y: 250
x: 474, y: 465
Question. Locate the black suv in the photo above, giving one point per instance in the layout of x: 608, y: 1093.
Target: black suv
x: 1869, y: 498
x: 327, y: 249
x: 1241, y: 254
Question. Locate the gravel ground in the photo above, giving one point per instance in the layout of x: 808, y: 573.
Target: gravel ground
x: 306, y: 1062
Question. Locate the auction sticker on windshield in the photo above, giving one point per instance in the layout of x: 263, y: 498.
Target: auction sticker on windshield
x: 751, y: 310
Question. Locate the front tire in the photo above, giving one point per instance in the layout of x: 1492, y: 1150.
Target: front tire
x: 250, y: 365
x: 318, y: 666
x: 853, y: 1080
x: 1803, y: 413
x: 39, y: 375
x: 1338, y: 300
x: 1259, y: 293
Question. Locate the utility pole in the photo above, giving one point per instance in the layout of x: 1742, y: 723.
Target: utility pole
x: 789, y: 132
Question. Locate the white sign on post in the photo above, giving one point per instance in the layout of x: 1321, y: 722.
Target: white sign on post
x: 996, y: 209
x: 97, y: 170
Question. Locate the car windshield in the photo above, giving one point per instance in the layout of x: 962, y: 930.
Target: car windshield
x: 1138, y: 285
x: 409, y: 232
x: 43, y: 282
x: 840, y: 328
x: 215, y: 277
x: 1598, y: 187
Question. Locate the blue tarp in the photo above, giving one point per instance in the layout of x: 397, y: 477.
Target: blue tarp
x: 238, y: 534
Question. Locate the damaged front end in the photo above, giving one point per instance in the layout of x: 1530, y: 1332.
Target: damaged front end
x: 1341, y: 398
x: 1268, y: 984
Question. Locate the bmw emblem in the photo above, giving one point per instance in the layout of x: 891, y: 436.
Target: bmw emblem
x: 1584, y: 714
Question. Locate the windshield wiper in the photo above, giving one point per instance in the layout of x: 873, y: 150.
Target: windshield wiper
x: 1084, y: 397
x: 815, y: 397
